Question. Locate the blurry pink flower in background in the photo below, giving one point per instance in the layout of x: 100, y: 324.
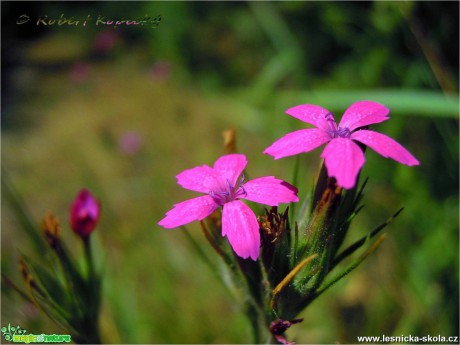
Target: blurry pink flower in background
x: 224, y: 187
x: 84, y: 213
x: 79, y: 72
x: 130, y: 143
x: 105, y: 41
x: 343, y: 157
x: 161, y: 70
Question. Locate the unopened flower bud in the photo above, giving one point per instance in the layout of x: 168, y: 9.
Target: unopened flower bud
x: 229, y: 136
x: 28, y: 278
x: 52, y: 230
x: 84, y: 213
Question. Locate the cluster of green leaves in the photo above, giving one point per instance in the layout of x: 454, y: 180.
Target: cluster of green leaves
x: 56, y: 284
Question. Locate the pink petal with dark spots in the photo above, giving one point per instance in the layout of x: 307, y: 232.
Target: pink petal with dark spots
x: 189, y: 211
x: 385, y: 146
x: 363, y: 113
x: 343, y: 159
x: 240, y: 226
x: 199, y: 179
x: 312, y: 114
x: 230, y: 167
x: 270, y: 191
x: 293, y: 143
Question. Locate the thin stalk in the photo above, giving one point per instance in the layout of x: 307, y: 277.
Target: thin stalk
x: 91, y: 316
x: 89, y: 258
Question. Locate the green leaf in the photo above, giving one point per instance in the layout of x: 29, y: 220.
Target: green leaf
x: 18, y: 206
x: 351, y: 249
x: 24, y: 295
x: 43, y: 299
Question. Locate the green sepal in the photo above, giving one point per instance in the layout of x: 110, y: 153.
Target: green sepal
x: 315, y: 239
x: 346, y: 211
x: 276, y: 244
x: 351, y: 267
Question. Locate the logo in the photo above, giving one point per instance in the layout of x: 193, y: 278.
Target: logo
x: 18, y: 335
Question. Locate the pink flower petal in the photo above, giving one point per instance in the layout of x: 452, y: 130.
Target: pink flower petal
x: 240, y: 226
x: 189, y: 211
x: 385, y: 146
x: 199, y: 179
x: 343, y: 159
x: 293, y: 143
x: 363, y: 113
x: 312, y: 114
x: 230, y: 167
x: 270, y: 191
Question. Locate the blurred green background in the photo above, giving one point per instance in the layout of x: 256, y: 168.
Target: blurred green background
x: 122, y: 110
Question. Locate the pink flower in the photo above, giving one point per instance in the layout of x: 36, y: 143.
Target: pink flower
x: 343, y: 157
x: 130, y: 143
x: 161, y: 70
x: 79, y: 72
x: 105, y: 41
x: 84, y: 213
x: 224, y: 187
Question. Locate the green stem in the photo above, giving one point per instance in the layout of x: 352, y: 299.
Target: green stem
x: 89, y: 258
x: 91, y: 319
x: 260, y: 325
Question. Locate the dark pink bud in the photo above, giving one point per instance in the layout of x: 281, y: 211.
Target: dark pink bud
x: 84, y: 213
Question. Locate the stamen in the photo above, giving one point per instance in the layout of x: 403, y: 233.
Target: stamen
x: 231, y: 193
x: 332, y: 125
x: 329, y: 116
x: 343, y: 132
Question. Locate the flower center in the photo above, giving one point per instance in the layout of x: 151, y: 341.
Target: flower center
x: 335, y: 132
x: 339, y: 133
x: 342, y: 133
x: 229, y: 193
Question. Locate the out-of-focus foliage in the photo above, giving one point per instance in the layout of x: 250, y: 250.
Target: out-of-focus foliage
x: 71, y: 95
